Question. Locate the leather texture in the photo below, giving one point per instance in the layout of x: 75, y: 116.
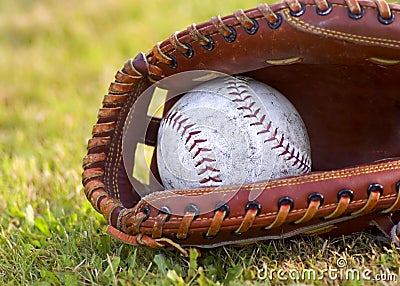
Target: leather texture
x: 338, y: 62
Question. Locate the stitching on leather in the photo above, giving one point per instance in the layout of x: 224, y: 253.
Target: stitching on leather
x: 200, y: 193
x: 274, y: 213
x: 288, y: 183
x: 173, y: 48
x: 286, y: 10
x: 119, y: 149
x: 114, y: 170
x: 341, y: 35
x: 117, y: 146
x: 312, y: 178
x: 111, y: 169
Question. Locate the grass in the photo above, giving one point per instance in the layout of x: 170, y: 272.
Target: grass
x: 56, y: 61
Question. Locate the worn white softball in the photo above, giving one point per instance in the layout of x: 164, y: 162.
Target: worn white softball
x: 231, y: 130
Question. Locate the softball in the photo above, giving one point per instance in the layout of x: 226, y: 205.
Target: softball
x: 231, y: 131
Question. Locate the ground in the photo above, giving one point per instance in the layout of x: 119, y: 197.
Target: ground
x: 57, y: 59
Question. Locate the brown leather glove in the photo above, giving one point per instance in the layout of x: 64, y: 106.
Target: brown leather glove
x: 337, y: 62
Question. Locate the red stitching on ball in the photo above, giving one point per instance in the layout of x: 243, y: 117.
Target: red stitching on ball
x: 291, y: 154
x: 170, y: 116
x: 197, y: 141
x: 181, y: 122
x: 201, y: 150
x: 204, y: 160
x: 243, y: 96
x: 266, y: 130
x: 190, y: 133
x: 253, y: 115
x: 186, y: 127
x: 207, y: 168
x: 249, y: 108
x: 214, y: 179
x: 273, y: 136
x: 174, y: 119
x: 240, y: 99
x: 285, y: 150
x: 259, y: 122
x: 280, y: 144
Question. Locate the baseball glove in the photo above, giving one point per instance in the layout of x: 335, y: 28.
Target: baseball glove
x: 337, y: 61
